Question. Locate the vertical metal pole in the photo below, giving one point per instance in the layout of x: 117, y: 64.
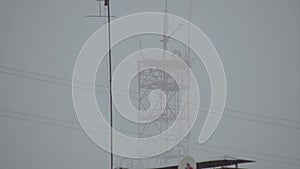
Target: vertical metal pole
x: 165, y: 29
x: 189, y: 35
x: 107, y: 3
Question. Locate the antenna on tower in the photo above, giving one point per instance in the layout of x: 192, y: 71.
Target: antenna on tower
x: 107, y: 4
x: 141, y: 47
x: 165, y: 29
x: 166, y: 6
x: 188, y: 61
x: 108, y: 16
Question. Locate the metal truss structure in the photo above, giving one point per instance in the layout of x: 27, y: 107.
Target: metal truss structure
x: 152, y: 78
x: 163, y: 84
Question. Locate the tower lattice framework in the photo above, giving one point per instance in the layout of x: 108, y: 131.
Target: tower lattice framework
x: 176, y: 93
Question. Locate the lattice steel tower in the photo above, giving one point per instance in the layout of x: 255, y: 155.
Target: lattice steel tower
x: 175, y: 92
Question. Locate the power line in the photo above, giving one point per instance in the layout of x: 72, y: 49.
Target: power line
x: 53, y: 77
x: 263, y: 122
x: 106, y: 87
x: 55, y: 83
x: 37, y: 116
x: 228, y: 110
x: 45, y: 75
x: 72, y: 122
x: 39, y: 122
x: 130, y: 132
x: 259, y: 115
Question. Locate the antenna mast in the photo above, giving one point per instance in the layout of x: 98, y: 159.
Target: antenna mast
x: 188, y: 61
x: 108, y: 16
x: 165, y: 29
x: 107, y: 4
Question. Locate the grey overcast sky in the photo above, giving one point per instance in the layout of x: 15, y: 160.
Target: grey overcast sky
x: 258, y: 42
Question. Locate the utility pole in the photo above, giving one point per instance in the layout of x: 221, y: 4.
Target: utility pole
x: 107, y: 4
x: 108, y: 16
